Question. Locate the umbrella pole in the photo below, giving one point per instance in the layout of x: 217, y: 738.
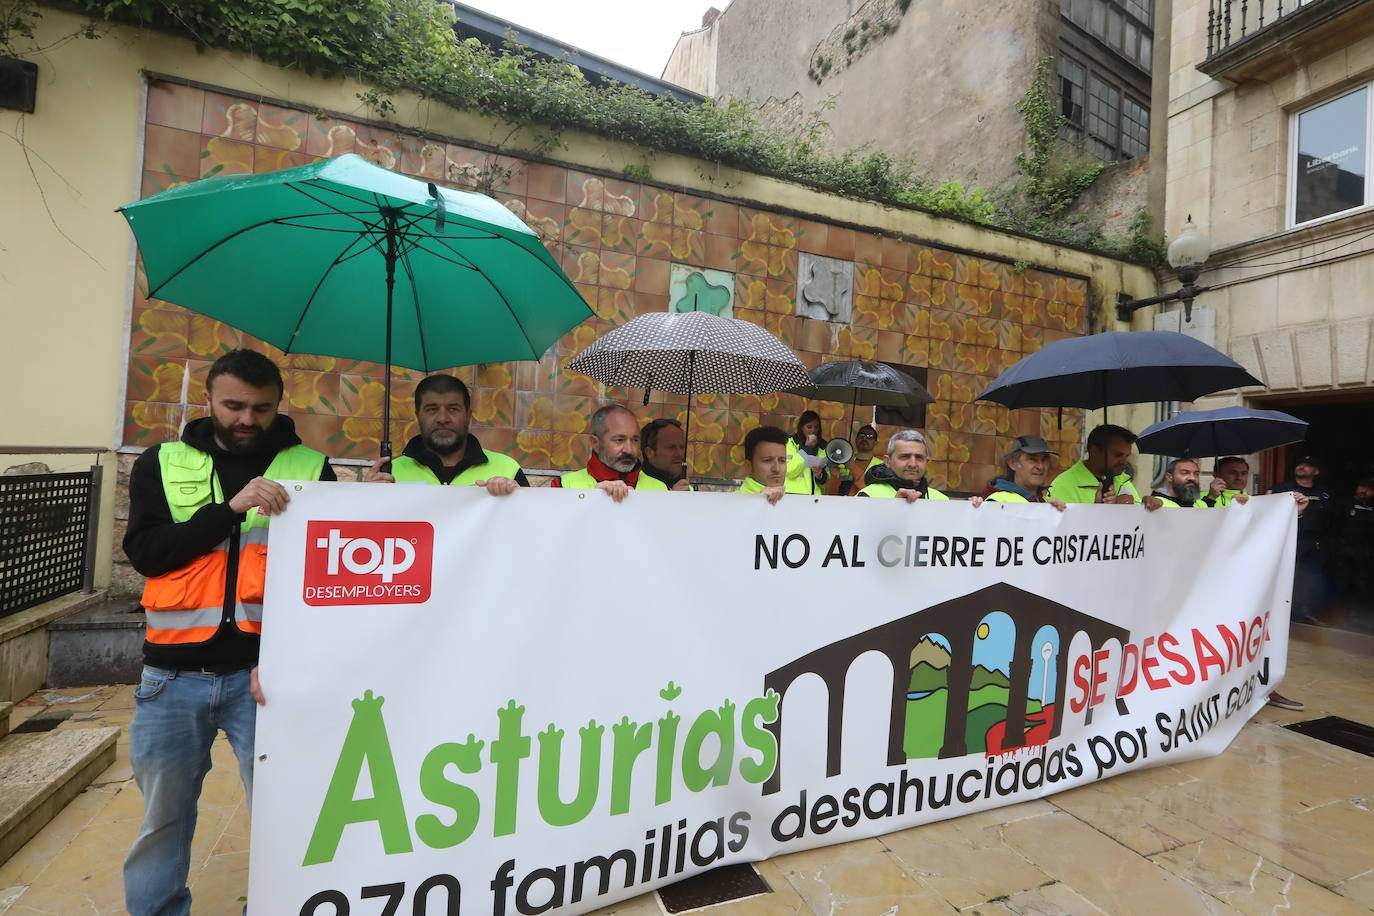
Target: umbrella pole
x: 390, y: 285
x: 687, y: 434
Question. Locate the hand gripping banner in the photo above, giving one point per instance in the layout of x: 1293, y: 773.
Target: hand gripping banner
x: 550, y: 702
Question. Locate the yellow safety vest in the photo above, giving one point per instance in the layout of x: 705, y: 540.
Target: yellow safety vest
x: 185, y: 605
x: 408, y: 470
x: 887, y: 490
x: 799, y: 477
x: 1006, y: 496
x: 582, y: 479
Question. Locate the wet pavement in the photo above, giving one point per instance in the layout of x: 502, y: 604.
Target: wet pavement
x: 1279, y: 823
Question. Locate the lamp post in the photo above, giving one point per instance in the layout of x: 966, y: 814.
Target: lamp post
x: 1187, y: 254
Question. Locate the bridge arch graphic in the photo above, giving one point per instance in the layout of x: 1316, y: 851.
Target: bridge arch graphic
x: 957, y: 619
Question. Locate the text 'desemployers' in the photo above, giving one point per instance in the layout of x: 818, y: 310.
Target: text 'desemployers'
x: 368, y: 562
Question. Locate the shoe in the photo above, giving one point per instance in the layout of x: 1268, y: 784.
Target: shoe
x: 1283, y: 702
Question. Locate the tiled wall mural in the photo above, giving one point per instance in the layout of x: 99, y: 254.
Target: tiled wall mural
x: 630, y: 248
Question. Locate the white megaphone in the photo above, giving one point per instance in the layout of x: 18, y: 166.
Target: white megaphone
x: 839, y: 451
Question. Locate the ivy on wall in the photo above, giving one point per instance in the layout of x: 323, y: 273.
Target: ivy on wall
x: 396, y: 45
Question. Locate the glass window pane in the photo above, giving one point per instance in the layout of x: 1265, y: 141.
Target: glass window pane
x: 1071, y: 76
x: 1114, y: 23
x: 1098, y: 18
x: 1331, y: 155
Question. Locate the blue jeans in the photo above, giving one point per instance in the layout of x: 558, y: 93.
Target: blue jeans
x: 176, y: 718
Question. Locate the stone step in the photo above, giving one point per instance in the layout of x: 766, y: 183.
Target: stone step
x: 6, y: 707
x: 41, y: 772
x: 101, y: 645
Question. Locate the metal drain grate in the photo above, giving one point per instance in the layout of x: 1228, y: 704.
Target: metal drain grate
x: 1353, y: 736
x: 719, y: 885
x: 41, y: 722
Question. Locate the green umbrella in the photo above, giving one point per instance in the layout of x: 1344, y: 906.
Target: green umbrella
x: 299, y: 258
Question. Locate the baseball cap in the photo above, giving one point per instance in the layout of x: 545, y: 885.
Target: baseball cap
x: 1313, y: 460
x: 1031, y: 445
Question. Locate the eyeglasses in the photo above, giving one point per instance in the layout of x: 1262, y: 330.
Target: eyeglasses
x: 867, y: 436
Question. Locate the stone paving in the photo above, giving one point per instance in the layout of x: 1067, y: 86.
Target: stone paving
x: 1279, y: 823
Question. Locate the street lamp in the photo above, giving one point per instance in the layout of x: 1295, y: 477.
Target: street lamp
x: 1187, y: 254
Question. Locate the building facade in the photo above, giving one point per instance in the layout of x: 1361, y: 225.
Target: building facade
x: 1270, y: 138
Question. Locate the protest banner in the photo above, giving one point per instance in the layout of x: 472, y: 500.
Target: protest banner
x: 548, y: 701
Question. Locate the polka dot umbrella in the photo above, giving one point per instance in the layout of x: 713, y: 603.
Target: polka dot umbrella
x: 692, y: 353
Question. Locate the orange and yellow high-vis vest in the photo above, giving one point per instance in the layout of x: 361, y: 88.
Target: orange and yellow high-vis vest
x: 185, y: 605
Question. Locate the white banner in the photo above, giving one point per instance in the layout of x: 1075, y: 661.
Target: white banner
x: 550, y: 701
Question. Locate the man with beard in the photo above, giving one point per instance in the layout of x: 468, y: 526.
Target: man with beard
x: 1101, y: 476
x: 665, y: 453
x: 765, y: 455
x: 1182, y: 485
x: 197, y: 529
x: 1027, y: 468
x: 614, y: 466
x: 445, y: 452
x: 904, y: 473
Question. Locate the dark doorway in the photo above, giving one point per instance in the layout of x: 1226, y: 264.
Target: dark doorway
x: 1341, y: 435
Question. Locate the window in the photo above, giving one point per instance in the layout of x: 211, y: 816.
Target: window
x: 1099, y: 114
x: 1135, y: 128
x: 1330, y: 165
x: 1125, y: 26
x: 1072, y: 77
x: 1104, y: 117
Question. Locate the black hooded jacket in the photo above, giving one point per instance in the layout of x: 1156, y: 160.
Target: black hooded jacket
x: 155, y: 544
x: 473, y: 455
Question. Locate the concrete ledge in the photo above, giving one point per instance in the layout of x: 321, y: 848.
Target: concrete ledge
x: 16, y: 625
x: 24, y: 643
x: 41, y: 773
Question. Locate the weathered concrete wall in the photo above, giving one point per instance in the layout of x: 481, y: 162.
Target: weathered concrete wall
x: 693, y: 63
x: 1116, y: 195
x: 942, y: 88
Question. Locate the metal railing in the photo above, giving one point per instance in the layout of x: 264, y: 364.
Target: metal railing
x: 1230, y: 21
x: 49, y: 524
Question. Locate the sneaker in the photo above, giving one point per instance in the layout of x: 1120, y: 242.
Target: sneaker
x: 1283, y: 702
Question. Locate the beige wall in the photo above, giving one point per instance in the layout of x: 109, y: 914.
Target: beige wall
x: 693, y: 61
x: 67, y: 276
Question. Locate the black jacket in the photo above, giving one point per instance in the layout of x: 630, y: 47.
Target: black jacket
x: 473, y: 455
x: 881, y: 473
x: 155, y: 544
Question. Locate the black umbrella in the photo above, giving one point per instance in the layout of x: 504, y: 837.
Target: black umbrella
x: 687, y: 352
x: 861, y: 381
x: 1119, y: 367
x: 1227, y: 431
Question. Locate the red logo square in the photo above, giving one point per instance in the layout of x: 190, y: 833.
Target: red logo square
x: 368, y: 562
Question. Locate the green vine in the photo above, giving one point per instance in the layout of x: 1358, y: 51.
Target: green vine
x: 1050, y: 184
x: 396, y: 45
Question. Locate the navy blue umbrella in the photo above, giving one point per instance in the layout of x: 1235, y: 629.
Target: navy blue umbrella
x: 1227, y: 431
x: 1119, y: 367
